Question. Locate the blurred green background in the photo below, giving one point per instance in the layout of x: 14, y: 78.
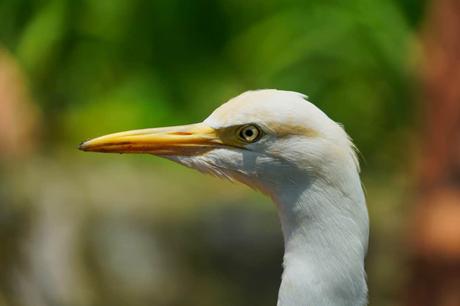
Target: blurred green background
x: 94, y: 229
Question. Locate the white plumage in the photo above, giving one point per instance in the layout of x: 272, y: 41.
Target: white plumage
x: 283, y: 145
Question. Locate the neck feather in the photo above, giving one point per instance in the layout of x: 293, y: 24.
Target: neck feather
x: 325, y: 228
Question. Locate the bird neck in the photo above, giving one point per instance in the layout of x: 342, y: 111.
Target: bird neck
x: 325, y: 229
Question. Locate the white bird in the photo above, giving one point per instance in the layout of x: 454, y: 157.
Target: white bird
x: 286, y: 147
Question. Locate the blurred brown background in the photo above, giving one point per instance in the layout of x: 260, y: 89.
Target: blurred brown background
x: 93, y: 229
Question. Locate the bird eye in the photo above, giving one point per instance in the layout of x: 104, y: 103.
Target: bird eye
x: 249, y: 133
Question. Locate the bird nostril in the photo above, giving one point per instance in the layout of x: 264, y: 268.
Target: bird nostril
x: 180, y: 133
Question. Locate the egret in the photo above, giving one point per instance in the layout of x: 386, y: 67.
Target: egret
x: 281, y: 144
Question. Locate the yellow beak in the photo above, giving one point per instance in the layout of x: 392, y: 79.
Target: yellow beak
x: 177, y: 140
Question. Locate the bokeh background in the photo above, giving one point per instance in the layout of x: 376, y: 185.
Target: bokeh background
x: 94, y: 229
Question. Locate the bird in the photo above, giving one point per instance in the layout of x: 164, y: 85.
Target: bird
x: 281, y: 144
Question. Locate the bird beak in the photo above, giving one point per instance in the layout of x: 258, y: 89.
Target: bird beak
x: 176, y: 140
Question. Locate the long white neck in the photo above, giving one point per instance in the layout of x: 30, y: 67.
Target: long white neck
x: 325, y: 228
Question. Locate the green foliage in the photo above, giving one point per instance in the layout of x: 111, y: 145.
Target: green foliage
x: 106, y: 65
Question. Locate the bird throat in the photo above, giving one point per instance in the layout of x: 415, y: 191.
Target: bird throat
x: 325, y: 231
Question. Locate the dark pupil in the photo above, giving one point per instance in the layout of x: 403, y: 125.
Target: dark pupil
x: 248, y: 133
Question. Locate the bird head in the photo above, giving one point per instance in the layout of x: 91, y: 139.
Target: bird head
x: 262, y: 138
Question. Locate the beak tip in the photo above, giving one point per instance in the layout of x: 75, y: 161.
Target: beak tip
x: 82, y: 146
